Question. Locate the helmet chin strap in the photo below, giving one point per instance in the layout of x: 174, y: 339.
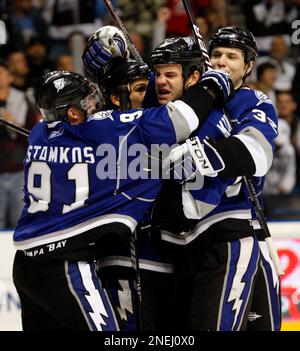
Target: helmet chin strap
x: 245, y: 75
x: 124, y: 98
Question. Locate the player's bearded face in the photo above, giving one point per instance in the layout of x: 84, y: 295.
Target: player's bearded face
x: 231, y: 61
x: 168, y: 82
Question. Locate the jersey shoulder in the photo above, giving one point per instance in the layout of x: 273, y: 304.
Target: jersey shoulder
x: 251, y: 97
x: 246, y: 99
x: 37, y: 132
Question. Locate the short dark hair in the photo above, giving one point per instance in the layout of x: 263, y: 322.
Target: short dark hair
x: 3, y: 64
x: 262, y: 67
x: 288, y: 92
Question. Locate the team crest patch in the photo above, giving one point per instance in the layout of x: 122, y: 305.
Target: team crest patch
x: 56, y: 133
x: 59, y: 84
x: 262, y: 97
x: 101, y: 115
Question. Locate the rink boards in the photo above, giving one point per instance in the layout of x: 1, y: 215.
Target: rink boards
x: 287, y: 239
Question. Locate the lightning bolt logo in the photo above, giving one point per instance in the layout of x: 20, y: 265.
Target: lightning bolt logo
x: 125, y: 299
x: 93, y: 297
x: 235, y: 295
x: 237, y: 287
x: 98, y: 309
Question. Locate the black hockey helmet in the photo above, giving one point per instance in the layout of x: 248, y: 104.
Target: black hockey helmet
x: 235, y: 37
x: 122, y: 72
x: 183, y: 51
x: 118, y: 76
x: 60, y: 89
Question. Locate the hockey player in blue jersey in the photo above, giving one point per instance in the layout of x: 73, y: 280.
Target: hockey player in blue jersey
x: 72, y: 206
x: 151, y: 256
x: 223, y: 125
x: 124, y: 85
x: 218, y: 270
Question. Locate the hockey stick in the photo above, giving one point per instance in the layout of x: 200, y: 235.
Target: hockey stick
x: 14, y: 127
x: 248, y: 182
x: 197, y: 35
x: 135, y: 263
x: 136, y: 55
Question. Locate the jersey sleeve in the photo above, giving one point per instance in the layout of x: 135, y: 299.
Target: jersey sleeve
x: 171, y: 123
x: 255, y: 123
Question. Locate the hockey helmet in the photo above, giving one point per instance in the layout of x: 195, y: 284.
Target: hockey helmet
x: 235, y: 37
x: 182, y: 50
x: 122, y: 72
x: 58, y: 90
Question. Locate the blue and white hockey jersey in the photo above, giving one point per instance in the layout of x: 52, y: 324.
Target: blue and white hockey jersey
x: 254, y: 122
x: 78, y: 177
x: 219, y: 198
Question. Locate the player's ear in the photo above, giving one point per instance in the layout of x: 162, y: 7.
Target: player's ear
x: 249, y: 67
x: 115, y: 99
x: 75, y: 115
x: 192, y: 79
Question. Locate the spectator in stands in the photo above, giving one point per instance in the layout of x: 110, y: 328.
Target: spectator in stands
x: 24, y: 22
x: 18, y: 67
x: 205, y: 29
x: 287, y: 107
x: 216, y: 14
x: 267, y: 18
x: 178, y: 15
x: 65, y: 17
x: 160, y: 25
x: 38, y: 61
x: 210, y: 15
x: 65, y: 62
x: 15, y: 108
x: 266, y: 75
x: 285, y: 70
x: 281, y: 177
x: 214, y: 10
x: 139, y: 17
x: 138, y: 41
x: 296, y: 86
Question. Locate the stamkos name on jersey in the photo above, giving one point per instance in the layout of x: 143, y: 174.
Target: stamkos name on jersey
x: 60, y: 154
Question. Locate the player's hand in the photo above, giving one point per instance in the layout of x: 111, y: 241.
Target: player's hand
x: 219, y: 82
x: 205, y: 159
x: 103, y: 46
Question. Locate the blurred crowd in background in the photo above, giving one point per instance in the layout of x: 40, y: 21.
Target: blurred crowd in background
x: 43, y: 35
